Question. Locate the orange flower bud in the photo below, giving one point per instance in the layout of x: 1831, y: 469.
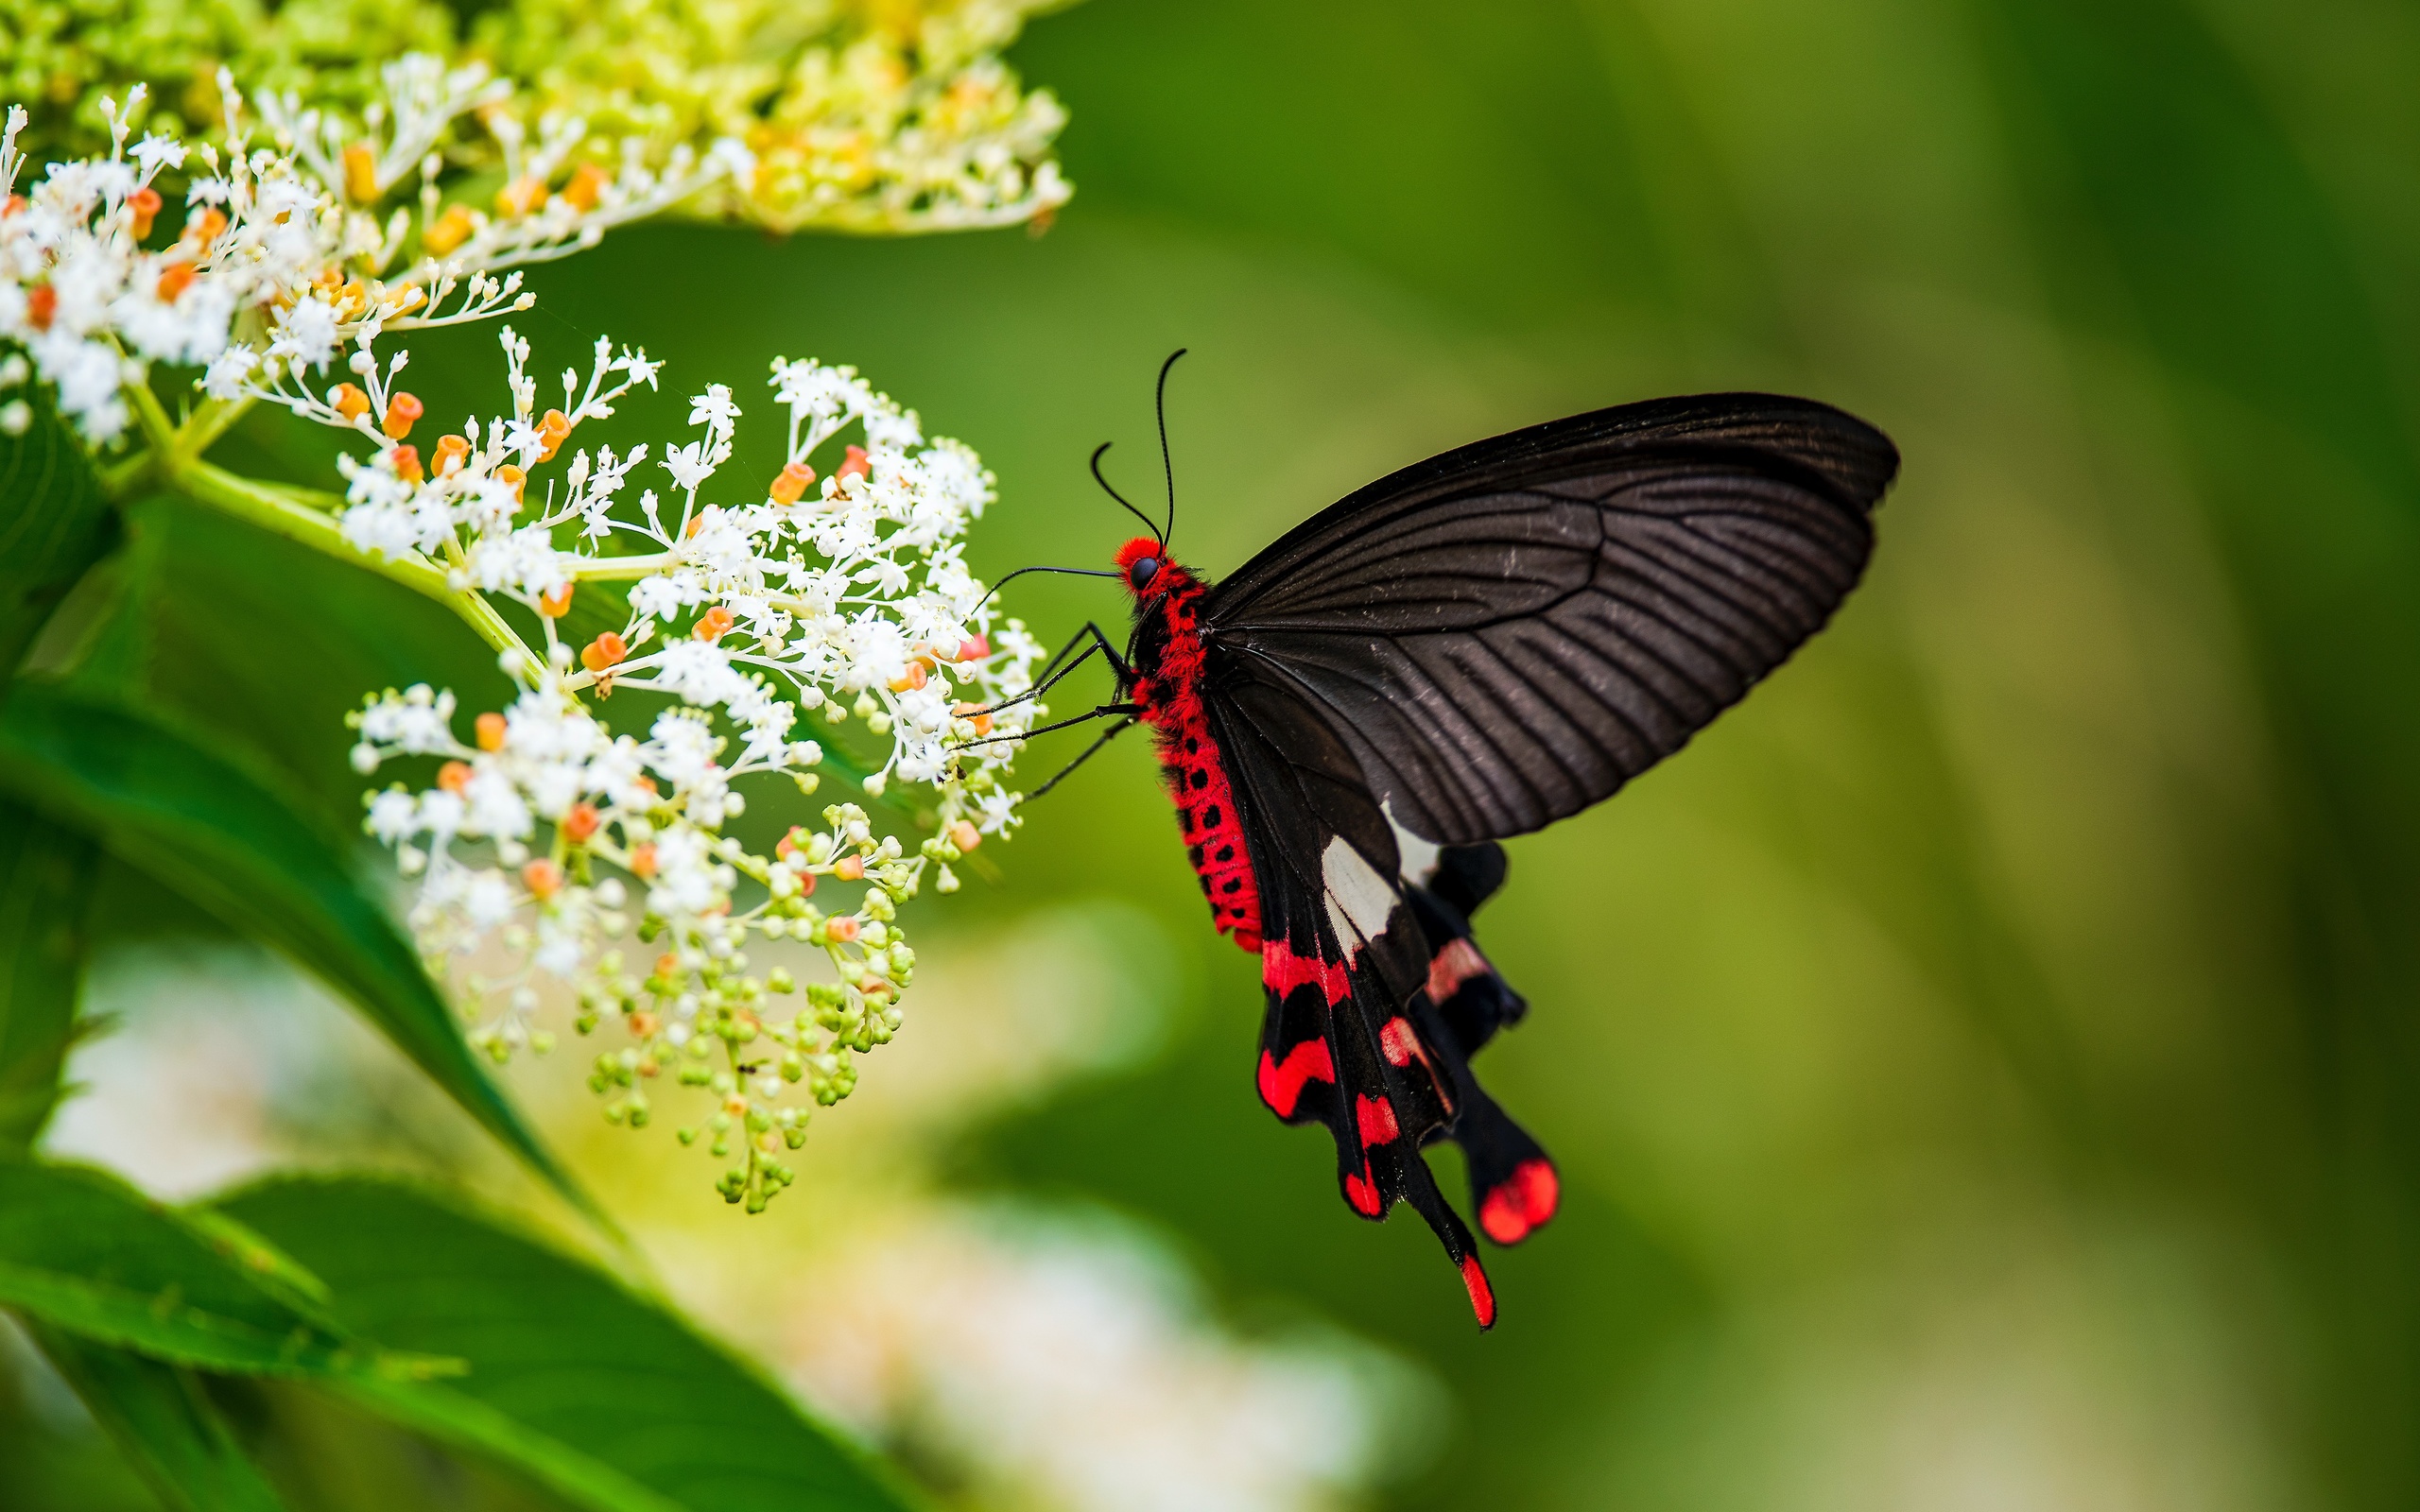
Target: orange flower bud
x: 581, y: 823
x: 642, y: 1024
x: 145, y: 203
x: 520, y: 198
x: 451, y: 450
x: 402, y: 412
x: 789, y: 845
x: 407, y: 463
x: 964, y: 836
x: 789, y: 484
x: 348, y: 401
x: 174, y: 280
x: 552, y: 429
x: 451, y: 228
x: 586, y: 181
x: 542, y: 877
x: 605, y: 651
x: 843, y: 930
x: 713, y: 624
x: 203, y: 226
x: 360, y: 173
x: 974, y: 713
x: 42, y: 304
x: 668, y: 966
x: 557, y: 604
x: 913, y: 678
x: 454, y: 776
x: 520, y: 480
x: 855, y: 466
x: 491, y: 727
x: 974, y: 648
x: 643, y: 860
x: 850, y: 869
x: 11, y: 206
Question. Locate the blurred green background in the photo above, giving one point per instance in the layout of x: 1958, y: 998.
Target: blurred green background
x: 1984, y: 1067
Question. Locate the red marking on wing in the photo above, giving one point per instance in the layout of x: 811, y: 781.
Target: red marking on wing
x: 1362, y: 1192
x: 1376, y: 1117
x: 1280, y: 1087
x: 1397, y: 1043
x: 1170, y: 701
x: 1521, y: 1202
x: 1482, y: 1295
x: 1282, y: 971
x: 1455, y: 965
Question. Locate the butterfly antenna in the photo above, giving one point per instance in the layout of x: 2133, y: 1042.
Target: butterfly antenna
x: 1157, y: 534
x: 1071, y: 572
x: 1160, y: 402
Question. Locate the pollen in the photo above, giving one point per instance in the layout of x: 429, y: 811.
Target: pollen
x: 605, y: 651
x: 407, y: 459
x: 143, y: 204
x: 491, y: 727
x: 552, y: 430
x: 447, y: 232
x: 557, y: 604
x: 451, y: 450
x: 789, y: 485
x: 542, y: 878
x: 453, y: 777
x: 348, y: 401
x: 403, y: 412
x: 581, y: 823
x: 713, y: 624
x: 174, y: 280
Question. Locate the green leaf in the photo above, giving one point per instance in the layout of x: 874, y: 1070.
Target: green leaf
x: 46, y: 876
x: 606, y: 1397
x: 83, y: 1253
x: 208, y: 830
x: 54, y: 522
x: 162, y: 1420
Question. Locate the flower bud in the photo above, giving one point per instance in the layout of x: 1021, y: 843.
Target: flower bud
x: 451, y: 450
x: 789, y: 484
x: 605, y: 651
x: 964, y: 836
x: 542, y: 878
x: 348, y: 401
x: 552, y: 429
x: 842, y: 930
x: 360, y: 173
x: 447, y: 232
x: 145, y: 204
x: 406, y: 461
x: 454, y: 776
x: 581, y: 823
x: 402, y: 411
x: 713, y: 624
x: 491, y: 727
x: 850, y: 869
x: 857, y: 465
x: 174, y: 280
x: 555, y: 604
x: 513, y: 475
x: 913, y: 678
x: 42, y: 306
x: 643, y: 861
x: 520, y: 198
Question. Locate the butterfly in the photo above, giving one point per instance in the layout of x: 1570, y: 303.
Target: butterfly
x: 1462, y: 652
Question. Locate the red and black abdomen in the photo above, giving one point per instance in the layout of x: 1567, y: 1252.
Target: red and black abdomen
x: 1169, y: 693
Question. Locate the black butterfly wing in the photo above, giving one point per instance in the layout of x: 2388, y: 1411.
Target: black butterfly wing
x: 1504, y: 634
x: 1352, y: 1038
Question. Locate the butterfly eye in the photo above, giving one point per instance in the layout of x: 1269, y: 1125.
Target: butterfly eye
x: 1141, y: 574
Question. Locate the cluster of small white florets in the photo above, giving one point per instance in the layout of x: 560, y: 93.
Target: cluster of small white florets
x: 285, y: 256
x: 844, y: 596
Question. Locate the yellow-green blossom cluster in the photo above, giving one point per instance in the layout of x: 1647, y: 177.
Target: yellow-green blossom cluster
x: 870, y: 115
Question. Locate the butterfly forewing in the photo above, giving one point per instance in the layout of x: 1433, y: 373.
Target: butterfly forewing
x: 1508, y: 633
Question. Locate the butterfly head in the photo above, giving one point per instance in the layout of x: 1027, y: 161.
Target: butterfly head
x: 1145, y: 566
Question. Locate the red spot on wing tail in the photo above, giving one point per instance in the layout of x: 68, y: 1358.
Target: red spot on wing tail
x: 1482, y: 1295
x: 1521, y: 1202
x: 1282, y: 971
x: 1455, y: 965
x: 1281, y: 1086
x: 1376, y: 1117
x: 1362, y: 1192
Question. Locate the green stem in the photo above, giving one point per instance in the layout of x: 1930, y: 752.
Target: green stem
x: 613, y: 569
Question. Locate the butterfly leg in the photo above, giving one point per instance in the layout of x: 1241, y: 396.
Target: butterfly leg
x: 1102, y: 712
x: 1052, y: 671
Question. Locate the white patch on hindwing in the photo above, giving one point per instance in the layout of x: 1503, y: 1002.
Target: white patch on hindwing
x: 1359, y: 900
x: 1418, y: 857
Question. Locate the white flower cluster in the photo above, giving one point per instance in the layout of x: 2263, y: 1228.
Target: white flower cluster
x: 548, y: 840
x: 284, y: 256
